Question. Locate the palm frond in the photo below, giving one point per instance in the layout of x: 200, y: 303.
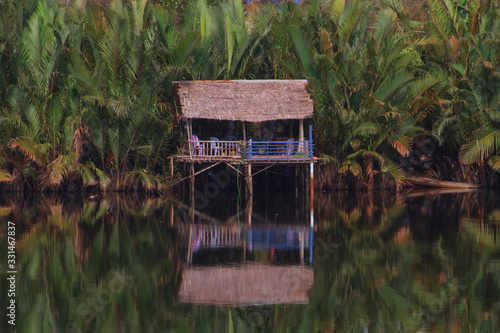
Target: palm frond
x: 366, y: 153
x: 392, y: 171
x: 347, y: 25
x: 87, y: 175
x: 58, y: 169
x: 144, y: 178
x: 32, y: 50
x: 485, y: 143
x: 35, y: 152
x: 104, y: 180
x: 441, y: 16
x: 114, y: 144
x: 390, y: 85
x: 337, y: 7
x: 402, y: 146
x: 34, y: 120
x: 365, y: 128
x: 229, y: 37
x: 303, y: 50
x: 5, y: 176
x: 351, y: 166
x: 55, y: 117
x: 139, y: 13
x: 494, y: 162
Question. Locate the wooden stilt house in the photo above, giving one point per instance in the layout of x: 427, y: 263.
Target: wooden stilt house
x: 246, y: 101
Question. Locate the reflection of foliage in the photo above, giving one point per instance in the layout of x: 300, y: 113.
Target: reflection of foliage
x: 103, y: 265
x: 70, y: 253
x: 373, y: 283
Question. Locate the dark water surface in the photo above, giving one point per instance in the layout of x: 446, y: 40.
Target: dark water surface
x: 424, y: 261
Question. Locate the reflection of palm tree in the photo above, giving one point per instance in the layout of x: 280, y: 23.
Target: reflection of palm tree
x: 70, y: 259
x: 369, y: 283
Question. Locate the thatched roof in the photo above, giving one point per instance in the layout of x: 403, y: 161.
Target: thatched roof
x: 245, y: 100
x: 252, y: 284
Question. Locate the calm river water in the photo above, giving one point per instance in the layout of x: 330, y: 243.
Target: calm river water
x: 423, y: 261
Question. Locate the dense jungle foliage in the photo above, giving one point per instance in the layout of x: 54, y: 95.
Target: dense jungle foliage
x: 86, y: 98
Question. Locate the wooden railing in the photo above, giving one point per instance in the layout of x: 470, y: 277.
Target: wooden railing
x: 215, y: 148
x: 260, y: 150
x: 256, y: 238
x: 264, y: 238
x: 251, y: 149
x: 280, y: 149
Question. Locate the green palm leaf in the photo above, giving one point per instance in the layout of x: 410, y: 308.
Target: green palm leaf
x: 37, y: 153
x: 494, y: 162
x: 485, y: 143
x: 229, y: 36
x: 393, y: 171
x: 391, y: 85
x: 348, y: 21
x: 337, y: 6
x: 5, y: 176
x: 301, y: 46
x: 58, y: 169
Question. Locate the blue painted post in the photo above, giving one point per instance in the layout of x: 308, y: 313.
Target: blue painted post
x: 310, y: 141
x: 311, y: 180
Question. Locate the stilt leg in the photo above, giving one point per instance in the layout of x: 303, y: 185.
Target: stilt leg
x: 191, y: 190
x: 249, y: 193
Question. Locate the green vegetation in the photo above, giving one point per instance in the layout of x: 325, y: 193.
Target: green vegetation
x: 86, y: 94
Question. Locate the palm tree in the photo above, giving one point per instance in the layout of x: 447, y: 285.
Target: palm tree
x: 461, y: 48
x: 42, y: 106
x: 364, y: 83
x: 485, y: 81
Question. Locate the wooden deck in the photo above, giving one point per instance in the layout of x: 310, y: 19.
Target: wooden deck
x: 248, y: 152
x: 252, y: 160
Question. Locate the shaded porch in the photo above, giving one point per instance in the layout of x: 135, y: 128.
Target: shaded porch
x: 249, y: 151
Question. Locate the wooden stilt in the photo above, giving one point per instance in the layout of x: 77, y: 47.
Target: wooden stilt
x: 172, y: 214
x: 249, y: 193
x: 189, y: 123
x: 244, y: 249
x: 189, y: 253
x: 266, y: 196
x: 296, y: 181
x: 301, y: 242
x: 249, y: 180
x: 191, y: 182
x: 249, y: 209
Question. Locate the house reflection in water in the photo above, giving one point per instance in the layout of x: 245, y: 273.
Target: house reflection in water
x: 228, y: 265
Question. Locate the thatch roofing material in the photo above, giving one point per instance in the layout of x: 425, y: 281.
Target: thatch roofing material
x: 251, y: 284
x: 244, y: 100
